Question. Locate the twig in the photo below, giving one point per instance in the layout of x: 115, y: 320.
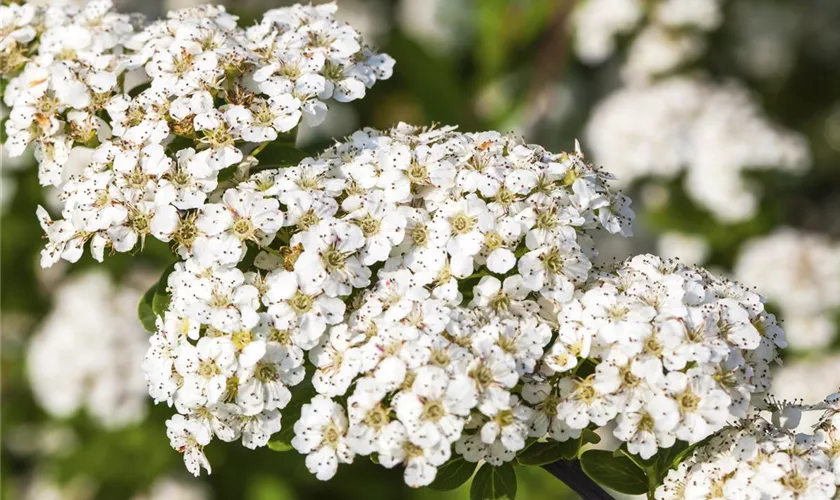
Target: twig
x: 571, y: 473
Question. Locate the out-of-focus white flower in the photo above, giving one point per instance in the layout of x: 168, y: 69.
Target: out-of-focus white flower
x: 799, y: 272
x: 433, y: 21
x: 691, y: 249
x: 87, y: 353
x: 174, y: 489
x: 598, y: 22
x: 656, y: 51
x: 662, y: 40
x: 808, y: 380
x: 712, y: 132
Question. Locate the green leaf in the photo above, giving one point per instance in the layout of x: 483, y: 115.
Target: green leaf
x: 145, y: 311
x: 672, y: 457
x: 453, y: 474
x: 494, y: 483
x: 539, y: 454
x: 617, y: 473
x: 277, y: 445
x: 545, y: 453
x: 588, y: 436
x: 162, y: 297
x: 279, y: 155
x: 134, y: 92
x: 665, y: 459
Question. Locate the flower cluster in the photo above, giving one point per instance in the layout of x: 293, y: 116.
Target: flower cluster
x: 167, y: 107
x: 760, y: 460
x: 407, y: 294
x: 679, y: 354
x: 417, y: 272
x: 87, y: 353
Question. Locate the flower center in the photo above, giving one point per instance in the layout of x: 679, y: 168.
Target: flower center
x: 282, y: 337
x: 140, y: 223
x: 301, y: 303
x: 266, y: 372
x: 219, y: 137
x: 439, y: 357
x: 331, y: 436
x: 482, y: 374
x: 505, y: 418
x: 307, y: 220
x: 553, y: 261
x: 505, y: 196
x: 433, y: 410
x: 417, y: 173
x: 231, y: 389
x: 369, y: 225
x: 181, y: 178
x: 420, y: 235
x: 500, y: 302
x: 207, y: 368
x: 546, y: 220
x: 333, y: 260
x: 493, y: 240
x: 243, y: 228
x: 586, y: 391
x: 219, y: 299
x: 462, y: 223
x: 241, y: 339
x: 377, y: 417
x: 796, y: 482
x: 187, y: 232
x: 183, y: 63
x: 688, y: 402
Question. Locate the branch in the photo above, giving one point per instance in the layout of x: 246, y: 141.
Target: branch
x: 570, y: 472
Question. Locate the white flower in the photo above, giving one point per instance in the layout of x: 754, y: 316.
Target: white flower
x: 554, y: 270
x: 466, y: 219
x: 189, y: 437
x: 223, y: 301
x: 164, y: 346
x: 329, y: 260
x: 420, y: 462
x: 64, y: 242
x: 703, y: 407
x: 434, y: 408
x: 506, y: 431
x: 320, y: 434
x: 244, y: 216
x: 337, y: 362
x: 382, y: 227
x: 262, y: 386
x: 650, y: 427
x: 205, y: 368
x: 257, y: 429
x: 305, y: 316
x: 582, y: 403
x: 494, y: 374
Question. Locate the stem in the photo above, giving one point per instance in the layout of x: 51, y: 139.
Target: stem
x: 272, y: 251
x: 570, y: 472
x: 259, y: 148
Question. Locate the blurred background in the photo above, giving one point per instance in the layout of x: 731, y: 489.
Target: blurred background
x: 720, y: 118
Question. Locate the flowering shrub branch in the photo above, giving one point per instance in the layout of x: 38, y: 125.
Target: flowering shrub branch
x: 420, y: 296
